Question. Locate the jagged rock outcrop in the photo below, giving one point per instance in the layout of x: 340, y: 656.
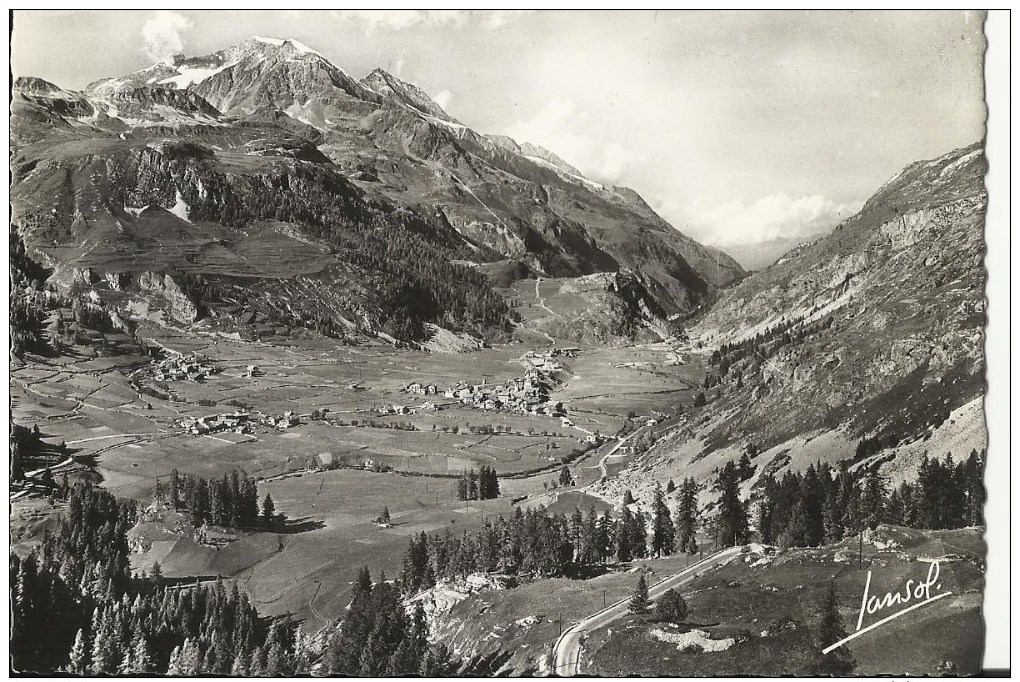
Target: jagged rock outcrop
x: 178, y: 305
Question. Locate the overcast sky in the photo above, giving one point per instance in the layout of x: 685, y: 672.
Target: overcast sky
x: 737, y: 127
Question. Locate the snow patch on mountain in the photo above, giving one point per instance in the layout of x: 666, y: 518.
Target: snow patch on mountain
x: 188, y: 75
x: 181, y: 208
x: 297, y: 45
x: 564, y: 174
x: 456, y: 127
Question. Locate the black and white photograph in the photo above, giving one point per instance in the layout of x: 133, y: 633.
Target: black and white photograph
x: 530, y: 343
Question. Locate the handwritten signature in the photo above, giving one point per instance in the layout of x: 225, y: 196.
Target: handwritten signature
x: 920, y: 594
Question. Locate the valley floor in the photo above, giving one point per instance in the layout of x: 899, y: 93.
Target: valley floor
x: 330, y: 477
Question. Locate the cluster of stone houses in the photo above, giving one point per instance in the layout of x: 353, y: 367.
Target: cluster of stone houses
x: 180, y: 367
x: 527, y: 394
x: 238, y: 422
x: 421, y: 389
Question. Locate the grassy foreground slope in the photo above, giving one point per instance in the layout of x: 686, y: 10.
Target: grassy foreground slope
x: 764, y: 612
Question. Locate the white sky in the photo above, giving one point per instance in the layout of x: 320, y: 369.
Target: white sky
x: 738, y: 127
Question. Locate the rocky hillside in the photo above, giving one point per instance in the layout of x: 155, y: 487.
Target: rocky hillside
x: 381, y: 205
x: 872, y: 333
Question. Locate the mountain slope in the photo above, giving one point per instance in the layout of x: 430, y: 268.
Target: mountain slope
x: 270, y: 130
x: 872, y: 332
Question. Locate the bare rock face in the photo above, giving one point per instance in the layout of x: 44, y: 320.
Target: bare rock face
x: 178, y: 305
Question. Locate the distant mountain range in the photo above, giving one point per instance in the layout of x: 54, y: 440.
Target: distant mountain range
x: 759, y: 255
x: 265, y: 180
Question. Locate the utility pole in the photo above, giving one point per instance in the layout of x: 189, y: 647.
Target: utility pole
x: 603, y: 599
x: 860, y: 552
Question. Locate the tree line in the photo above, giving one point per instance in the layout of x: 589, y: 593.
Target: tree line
x: 761, y: 346
x: 817, y: 507
x: 76, y: 607
x: 483, y: 485
x: 529, y: 545
x: 230, y: 502
x: 377, y: 637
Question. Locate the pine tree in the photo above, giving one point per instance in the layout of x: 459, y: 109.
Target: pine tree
x: 639, y: 601
x: 663, y: 530
x: 268, y: 509
x: 102, y: 659
x: 79, y: 654
x: 873, y: 498
x: 745, y: 467
x: 831, y: 629
x: 127, y: 663
x: 565, y: 478
x: 732, y: 522
x: 142, y: 655
x: 174, y: 665
x: 628, y: 498
x: 670, y: 487
x: 687, y: 517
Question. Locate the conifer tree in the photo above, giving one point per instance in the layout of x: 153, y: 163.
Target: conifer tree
x: 639, y: 601
x: 79, y: 654
x: 831, y: 629
x: 268, y: 509
x: 687, y: 517
x: 663, y: 530
x: 565, y: 478
x: 732, y: 522
x: 142, y: 655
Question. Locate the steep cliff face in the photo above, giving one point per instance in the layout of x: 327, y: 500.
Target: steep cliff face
x: 875, y: 330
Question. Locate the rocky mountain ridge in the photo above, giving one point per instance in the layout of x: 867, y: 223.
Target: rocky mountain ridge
x: 873, y: 333
x: 279, y: 111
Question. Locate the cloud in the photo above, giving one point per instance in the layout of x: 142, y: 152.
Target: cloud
x: 571, y: 134
x: 162, y: 34
x: 502, y: 17
x: 398, y: 20
x: 442, y: 98
x: 770, y: 217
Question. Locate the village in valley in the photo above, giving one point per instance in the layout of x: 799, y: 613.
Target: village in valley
x: 527, y: 394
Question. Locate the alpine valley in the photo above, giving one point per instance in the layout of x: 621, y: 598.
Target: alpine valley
x: 280, y: 334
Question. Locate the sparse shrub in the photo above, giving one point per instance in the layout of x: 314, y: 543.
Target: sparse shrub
x: 671, y: 608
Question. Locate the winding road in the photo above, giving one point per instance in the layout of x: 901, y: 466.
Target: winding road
x: 567, y: 652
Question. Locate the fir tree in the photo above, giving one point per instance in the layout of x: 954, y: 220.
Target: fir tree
x: 565, y: 478
x: 732, y: 521
x: 79, y: 654
x: 663, y: 530
x: 687, y: 517
x: 639, y: 601
x: 831, y: 629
